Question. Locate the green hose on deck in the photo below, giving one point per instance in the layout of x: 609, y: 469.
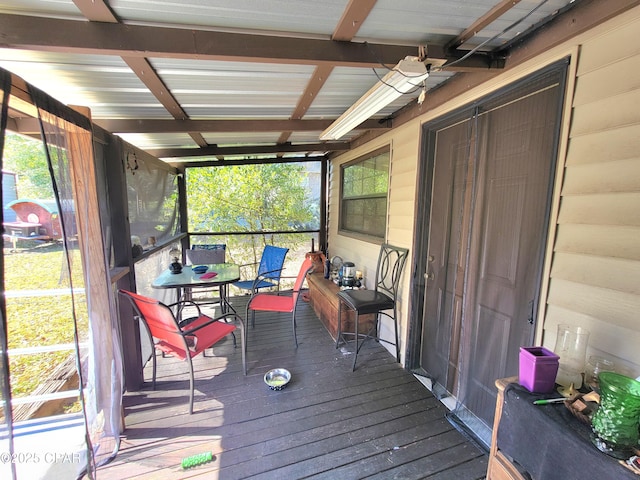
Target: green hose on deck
x: 195, y: 460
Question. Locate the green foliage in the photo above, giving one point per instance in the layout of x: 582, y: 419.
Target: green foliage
x: 251, y: 198
x: 44, y: 320
x: 26, y: 158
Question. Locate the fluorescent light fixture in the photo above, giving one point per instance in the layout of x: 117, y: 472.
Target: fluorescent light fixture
x: 405, y: 77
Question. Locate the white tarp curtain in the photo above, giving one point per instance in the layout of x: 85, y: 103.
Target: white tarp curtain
x: 7, y: 469
x: 69, y: 146
x: 68, y: 139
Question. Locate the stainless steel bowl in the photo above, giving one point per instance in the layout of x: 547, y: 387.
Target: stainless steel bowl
x: 277, y: 378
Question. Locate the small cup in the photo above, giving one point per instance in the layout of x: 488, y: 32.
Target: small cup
x: 595, y: 366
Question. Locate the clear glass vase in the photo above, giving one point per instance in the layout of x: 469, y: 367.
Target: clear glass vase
x: 571, y: 346
x: 615, y: 423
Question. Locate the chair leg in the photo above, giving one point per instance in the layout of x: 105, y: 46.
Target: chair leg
x: 295, y: 337
x: 395, y: 326
x: 339, y: 330
x: 153, y: 369
x: 355, y: 352
x: 246, y: 324
x: 243, y: 343
x: 191, y: 381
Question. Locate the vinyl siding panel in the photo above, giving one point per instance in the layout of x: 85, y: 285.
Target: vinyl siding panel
x: 609, y: 307
x: 607, y: 113
x: 605, y: 146
x: 595, y: 274
x: 624, y: 71
x: 601, y: 209
x: 619, y: 275
x: 605, y: 240
x: 609, y: 47
x: 611, y: 177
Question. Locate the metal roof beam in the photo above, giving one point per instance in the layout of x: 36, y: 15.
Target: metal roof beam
x: 246, y: 161
x: 246, y: 150
x: 223, y: 126
x: 98, y: 38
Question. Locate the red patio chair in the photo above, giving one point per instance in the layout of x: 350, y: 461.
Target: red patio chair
x: 285, y: 302
x: 184, y: 343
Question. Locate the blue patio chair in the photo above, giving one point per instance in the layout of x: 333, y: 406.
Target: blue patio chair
x: 269, y: 271
x: 279, y: 302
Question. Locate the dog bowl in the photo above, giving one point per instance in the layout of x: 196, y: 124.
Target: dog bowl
x: 277, y: 378
x: 200, y: 269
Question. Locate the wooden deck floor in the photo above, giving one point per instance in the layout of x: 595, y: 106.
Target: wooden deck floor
x: 328, y: 423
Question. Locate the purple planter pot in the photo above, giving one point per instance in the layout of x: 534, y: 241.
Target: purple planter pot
x: 538, y: 369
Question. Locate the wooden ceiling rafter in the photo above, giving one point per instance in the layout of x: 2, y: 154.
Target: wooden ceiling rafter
x: 354, y: 15
x: 352, y: 18
x: 492, y: 15
x: 247, y: 150
x: 245, y: 161
x: 100, y: 11
x: 125, y: 40
x: 116, y: 125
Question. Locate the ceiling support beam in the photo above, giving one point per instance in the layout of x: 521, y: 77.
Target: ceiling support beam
x: 245, y: 161
x: 247, y: 150
x: 488, y: 18
x: 352, y: 18
x: 100, y: 11
x: 98, y: 38
x: 27, y: 125
x: 314, y: 85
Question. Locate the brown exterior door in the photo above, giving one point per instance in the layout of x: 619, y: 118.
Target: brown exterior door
x: 446, y: 261
x: 488, y: 218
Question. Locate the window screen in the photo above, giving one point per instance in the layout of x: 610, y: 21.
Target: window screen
x: 363, y: 203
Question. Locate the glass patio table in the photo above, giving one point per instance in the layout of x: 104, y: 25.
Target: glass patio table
x: 226, y: 273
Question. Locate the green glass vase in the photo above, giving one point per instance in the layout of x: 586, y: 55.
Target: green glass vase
x: 615, y: 423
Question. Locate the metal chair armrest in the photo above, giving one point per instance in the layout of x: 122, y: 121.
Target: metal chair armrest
x: 182, y: 303
x: 206, y: 324
x: 263, y: 276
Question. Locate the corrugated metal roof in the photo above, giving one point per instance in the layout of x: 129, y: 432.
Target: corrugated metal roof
x: 235, y: 89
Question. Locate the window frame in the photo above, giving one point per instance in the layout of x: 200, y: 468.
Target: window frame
x: 361, y: 234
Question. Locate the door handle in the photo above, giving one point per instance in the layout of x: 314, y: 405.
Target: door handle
x: 428, y: 276
x: 530, y: 318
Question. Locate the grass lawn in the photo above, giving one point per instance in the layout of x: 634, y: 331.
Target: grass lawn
x: 44, y: 318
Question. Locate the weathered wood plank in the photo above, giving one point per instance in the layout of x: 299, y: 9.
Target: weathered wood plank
x: 328, y: 417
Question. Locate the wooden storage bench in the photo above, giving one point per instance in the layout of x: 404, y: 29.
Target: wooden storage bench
x: 323, y: 296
